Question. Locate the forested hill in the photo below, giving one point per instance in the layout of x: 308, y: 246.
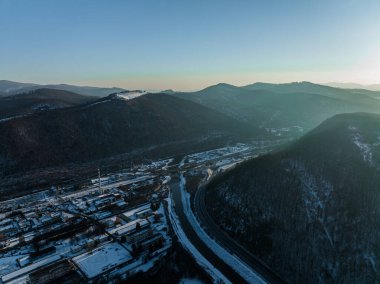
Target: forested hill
x: 111, y: 126
x: 311, y: 211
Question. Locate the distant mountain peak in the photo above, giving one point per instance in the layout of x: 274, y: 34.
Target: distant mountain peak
x: 168, y: 91
x: 220, y: 86
x: 296, y: 83
x: 224, y: 85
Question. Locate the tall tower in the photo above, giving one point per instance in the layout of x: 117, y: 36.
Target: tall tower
x: 100, y: 185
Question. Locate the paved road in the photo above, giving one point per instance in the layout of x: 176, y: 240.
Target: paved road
x: 228, y: 243
x: 219, y: 264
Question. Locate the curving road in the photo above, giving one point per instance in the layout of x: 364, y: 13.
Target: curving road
x: 228, y: 243
x: 218, y: 263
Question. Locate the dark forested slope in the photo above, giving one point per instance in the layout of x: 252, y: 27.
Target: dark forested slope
x: 107, y: 127
x: 40, y: 99
x: 311, y: 211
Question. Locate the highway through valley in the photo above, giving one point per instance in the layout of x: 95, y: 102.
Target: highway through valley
x: 218, y: 263
x: 223, y: 239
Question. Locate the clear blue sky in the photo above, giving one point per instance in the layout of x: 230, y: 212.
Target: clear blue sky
x: 184, y: 44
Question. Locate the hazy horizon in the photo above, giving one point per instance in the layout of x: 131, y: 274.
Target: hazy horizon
x: 189, y: 45
x: 347, y: 85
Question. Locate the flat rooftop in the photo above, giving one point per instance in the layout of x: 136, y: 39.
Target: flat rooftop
x: 102, y: 259
x: 132, y: 212
x: 131, y: 226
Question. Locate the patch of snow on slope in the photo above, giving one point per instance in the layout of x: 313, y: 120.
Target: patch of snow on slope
x: 364, y: 148
x: 95, y: 103
x: 377, y: 143
x: 316, y: 193
x: 371, y: 258
x: 12, y: 117
x: 130, y: 95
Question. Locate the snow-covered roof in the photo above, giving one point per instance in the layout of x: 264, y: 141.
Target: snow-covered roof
x: 102, y: 259
x: 129, y: 227
x: 132, y: 212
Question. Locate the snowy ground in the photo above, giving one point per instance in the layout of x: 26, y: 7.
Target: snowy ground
x: 199, y: 258
x: 238, y: 265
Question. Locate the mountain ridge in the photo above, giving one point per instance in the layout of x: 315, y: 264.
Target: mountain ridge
x: 8, y: 88
x: 38, y: 100
x: 280, y: 107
